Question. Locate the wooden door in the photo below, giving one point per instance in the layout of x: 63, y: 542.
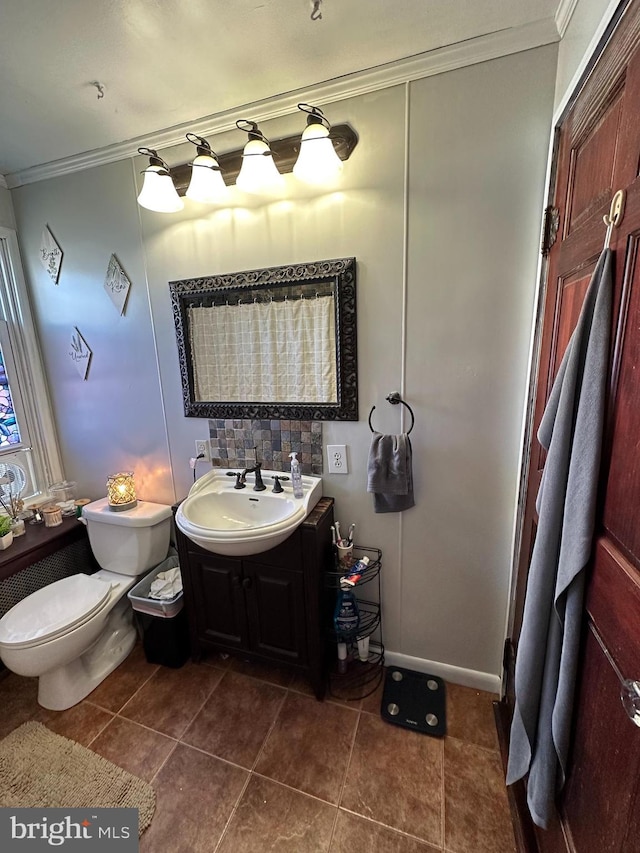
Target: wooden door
x: 219, y: 600
x: 598, y: 152
x: 276, y: 609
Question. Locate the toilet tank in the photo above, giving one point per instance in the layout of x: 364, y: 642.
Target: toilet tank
x: 129, y: 542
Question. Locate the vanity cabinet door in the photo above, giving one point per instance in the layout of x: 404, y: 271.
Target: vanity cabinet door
x: 219, y: 600
x: 276, y: 611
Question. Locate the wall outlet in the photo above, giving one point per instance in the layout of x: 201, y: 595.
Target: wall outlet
x: 337, y: 459
x: 204, y: 448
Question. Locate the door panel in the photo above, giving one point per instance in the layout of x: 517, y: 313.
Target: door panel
x: 623, y: 487
x: 220, y: 608
x: 275, y: 601
x: 592, y: 167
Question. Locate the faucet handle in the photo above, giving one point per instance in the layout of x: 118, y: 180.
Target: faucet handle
x: 239, y: 475
x: 277, y: 484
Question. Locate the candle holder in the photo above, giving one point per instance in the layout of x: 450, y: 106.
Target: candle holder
x: 121, y: 491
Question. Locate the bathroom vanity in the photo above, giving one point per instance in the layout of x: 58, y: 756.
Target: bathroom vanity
x: 268, y: 606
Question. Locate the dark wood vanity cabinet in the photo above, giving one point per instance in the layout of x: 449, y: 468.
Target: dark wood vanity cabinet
x: 267, y: 607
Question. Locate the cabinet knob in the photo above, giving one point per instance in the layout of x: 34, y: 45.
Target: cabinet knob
x: 247, y: 583
x: 235, y: 580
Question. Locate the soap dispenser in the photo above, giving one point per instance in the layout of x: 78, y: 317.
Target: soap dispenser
x: 296, y: 476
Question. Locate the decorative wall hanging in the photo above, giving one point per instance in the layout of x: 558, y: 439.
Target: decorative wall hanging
x: 79, y: 353
x: 50, y: 254
x: 117, y: 284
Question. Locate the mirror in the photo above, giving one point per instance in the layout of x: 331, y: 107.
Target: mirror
x: 277, y: 343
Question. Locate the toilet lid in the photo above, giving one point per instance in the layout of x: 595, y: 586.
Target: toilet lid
x: 53, y: 610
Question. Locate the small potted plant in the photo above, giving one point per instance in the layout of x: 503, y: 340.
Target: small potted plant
x: 6, y: 534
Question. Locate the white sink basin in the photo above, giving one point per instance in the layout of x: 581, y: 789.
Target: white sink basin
x: 239, y: 522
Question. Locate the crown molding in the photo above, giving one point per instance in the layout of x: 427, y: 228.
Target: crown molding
x: 3, y: 183
x: 465, y: 53
x: 564, y: 14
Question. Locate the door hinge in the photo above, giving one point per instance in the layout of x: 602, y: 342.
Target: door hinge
x: 550, y: 229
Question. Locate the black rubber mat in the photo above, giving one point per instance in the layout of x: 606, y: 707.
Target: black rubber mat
x: 415, y: 701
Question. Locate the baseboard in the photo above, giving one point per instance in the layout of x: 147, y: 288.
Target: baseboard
x: 455, y: 674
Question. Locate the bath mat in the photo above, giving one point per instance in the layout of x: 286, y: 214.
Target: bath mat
x: 40, y: 769
x: 414, y: 700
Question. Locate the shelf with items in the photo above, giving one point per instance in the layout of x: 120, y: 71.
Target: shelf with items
x: 353, y: 678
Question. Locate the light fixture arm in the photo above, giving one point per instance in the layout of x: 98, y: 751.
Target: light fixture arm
x: 203, y: 149
x: 251, y: 128
x: 314, y: 115
x: 155, y: 160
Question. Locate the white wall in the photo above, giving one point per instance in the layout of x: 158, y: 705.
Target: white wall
x: 440, y: 204
x: 114, y: 420
x: 7, y: 219
x: 585, y: 22
x: 478, y: 139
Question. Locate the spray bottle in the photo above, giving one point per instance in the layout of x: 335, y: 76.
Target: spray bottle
x: 296, y: 476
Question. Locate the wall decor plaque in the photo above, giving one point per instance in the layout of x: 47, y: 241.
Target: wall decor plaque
x: 117, y: 284
x: 50, y: 254
x: 79, y: 353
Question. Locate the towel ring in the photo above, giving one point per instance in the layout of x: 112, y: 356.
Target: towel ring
x: 394, y: 399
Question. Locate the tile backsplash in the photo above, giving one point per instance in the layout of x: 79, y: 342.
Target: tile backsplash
x: 233, y: 443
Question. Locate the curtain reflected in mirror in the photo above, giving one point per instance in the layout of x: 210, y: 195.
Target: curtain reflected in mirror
x: 272, y: 343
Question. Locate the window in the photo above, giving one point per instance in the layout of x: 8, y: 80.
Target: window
x: 28, y: 445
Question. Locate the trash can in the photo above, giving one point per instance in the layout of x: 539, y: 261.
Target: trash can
x: 162, y: 622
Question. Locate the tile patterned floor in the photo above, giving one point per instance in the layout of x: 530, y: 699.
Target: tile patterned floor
x: 244, y: 760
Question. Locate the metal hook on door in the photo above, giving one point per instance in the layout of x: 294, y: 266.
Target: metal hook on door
x: 614, y: 217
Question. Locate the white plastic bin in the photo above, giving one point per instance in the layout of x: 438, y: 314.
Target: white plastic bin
x: 165, y: 608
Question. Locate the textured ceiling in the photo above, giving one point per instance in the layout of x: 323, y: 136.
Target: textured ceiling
x: 164, y: 62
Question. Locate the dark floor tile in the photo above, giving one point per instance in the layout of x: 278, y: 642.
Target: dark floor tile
x: 221, y: 660
x: 195, y: 794
x: 138, y: 750
x: 395, y: 778
x: 371, y: 703
x: 81, y: 723
x: 353, y: 834
x: 169, y: 701
x: 271, y: 817
x: 18, y: 700
x: 470, y: 715
x: 477, y: 817
x: 236, y: 719
x: 309, y: 746
x: 272, y: 673
x: 123, y: 682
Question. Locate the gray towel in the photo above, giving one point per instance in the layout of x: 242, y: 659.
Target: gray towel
x: 389, y: 473
x: 549, y: 644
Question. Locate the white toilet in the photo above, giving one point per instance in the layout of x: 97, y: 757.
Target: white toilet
x: 74, y: 632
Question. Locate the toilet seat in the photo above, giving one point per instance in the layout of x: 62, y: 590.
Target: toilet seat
x: 53, y: 611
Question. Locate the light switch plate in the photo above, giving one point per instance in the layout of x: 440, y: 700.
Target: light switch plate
x: 337, y: 459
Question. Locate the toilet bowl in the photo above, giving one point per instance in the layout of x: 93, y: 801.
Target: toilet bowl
x: 74, y: 632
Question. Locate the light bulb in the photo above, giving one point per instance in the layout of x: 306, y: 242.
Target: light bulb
x: 317, y: 161
x: 258, y: 173
x: 158, y: 192
x: 207, y: 184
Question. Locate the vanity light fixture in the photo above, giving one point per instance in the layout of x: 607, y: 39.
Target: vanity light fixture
x: 158, y: 192
x: 317, y: 161
x: 121, y: 491
x: 207, y: 184
x: 258, y: 173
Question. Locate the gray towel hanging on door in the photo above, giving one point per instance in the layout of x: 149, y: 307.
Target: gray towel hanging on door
x: 547, y: 656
